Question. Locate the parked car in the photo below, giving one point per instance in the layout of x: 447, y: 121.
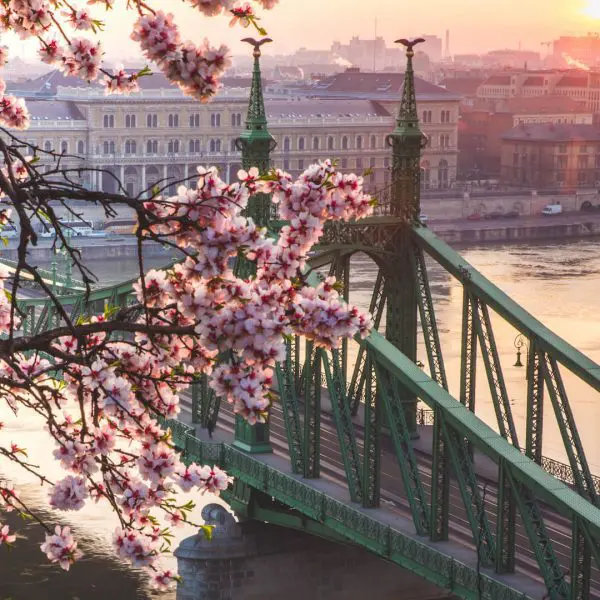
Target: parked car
x: 552, y: 209
x: 474, y: 217
x: 423, y: 218
x: 511, y: 214
x: 495, y: 214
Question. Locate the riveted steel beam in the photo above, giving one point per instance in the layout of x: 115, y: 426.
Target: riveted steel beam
x: 535, y: 404
x: 387, y: 387
x: 312, y: 412
x: 372, y: 441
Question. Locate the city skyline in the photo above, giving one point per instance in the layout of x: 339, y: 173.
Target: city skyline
x: 318, y: 24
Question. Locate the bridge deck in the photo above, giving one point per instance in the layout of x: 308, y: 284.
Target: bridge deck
x: 394, y: 511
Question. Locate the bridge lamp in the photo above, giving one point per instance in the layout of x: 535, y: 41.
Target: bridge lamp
x: 519, y: 342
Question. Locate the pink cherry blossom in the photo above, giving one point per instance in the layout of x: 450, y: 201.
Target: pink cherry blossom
x: 6, y: 537
x: 61, y: 548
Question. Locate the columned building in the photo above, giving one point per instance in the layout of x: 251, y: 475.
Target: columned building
x: 158, y: 136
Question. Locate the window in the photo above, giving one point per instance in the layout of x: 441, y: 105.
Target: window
x: 582, y: 162
x: 301, y: 144
x: 372, y: 169
x: 359, y: 164
x: 236, y: 119
x: 427, y: 116
x: 212, y: 146
x: 218, y: 145
x: 152, y: 146
x: 130, y: 121
x: 233, y: 146
x: 373, y: 142
x: 48, y: 146
x: 108, y: 147
x: 359, y: 142
x: 301, y: 165
x: 344, y: 163
x: 130, y: 147
x: 195, y: 120
x: 315, y: 143
x: 173, y: 146
x: 152, y: 121
x: 215, y: 120
x: 581, y: 177
x: 64, y: 146
x: 330, y: 143
x: 80, y: 147
x: 583, y: 149
x: 286, y: 144
x: 173, y: 120
x: 286, y: 164
x: 562, y: 148
x: 344, y: 143
x: 194, y: 146
x: 443, y: 173
x: 109, y: 121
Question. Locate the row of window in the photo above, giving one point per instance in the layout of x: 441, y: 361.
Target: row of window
x: 172, y: 120
x: 316, y: 143
x: 172, y: 146
x: 427, y: 116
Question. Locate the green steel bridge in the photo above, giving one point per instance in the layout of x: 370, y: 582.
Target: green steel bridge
x: 375, y: 450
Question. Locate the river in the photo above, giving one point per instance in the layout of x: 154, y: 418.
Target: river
x: 559, y: 283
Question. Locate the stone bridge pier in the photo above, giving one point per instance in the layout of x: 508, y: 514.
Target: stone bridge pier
x: 258, y: 561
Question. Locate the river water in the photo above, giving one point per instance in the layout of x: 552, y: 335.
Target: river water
x: 559, y: 283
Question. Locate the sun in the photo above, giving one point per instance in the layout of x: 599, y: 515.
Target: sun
x: 592, y: 9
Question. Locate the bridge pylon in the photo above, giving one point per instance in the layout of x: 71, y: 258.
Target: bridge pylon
x: 406, y: 142
x: 256, y: 145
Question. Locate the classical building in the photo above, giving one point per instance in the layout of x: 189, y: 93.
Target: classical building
x: 481, y: 129
x: 549, y: 156
x: 159, y: 136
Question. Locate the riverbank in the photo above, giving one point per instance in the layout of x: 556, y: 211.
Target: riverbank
x: 568, y: 226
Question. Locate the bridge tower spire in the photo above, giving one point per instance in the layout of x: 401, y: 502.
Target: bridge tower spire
x: 256, y: 143
x: 406, y: 142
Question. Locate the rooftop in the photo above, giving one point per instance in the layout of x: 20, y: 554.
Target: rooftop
x: 54, y: 110
x: 553, y: 104
x: 323, y: 108
x: 554, y: 133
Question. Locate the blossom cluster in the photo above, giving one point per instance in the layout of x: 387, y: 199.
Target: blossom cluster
x: 196, y: 69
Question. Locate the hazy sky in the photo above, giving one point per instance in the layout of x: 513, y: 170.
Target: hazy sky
x: 474, y: 24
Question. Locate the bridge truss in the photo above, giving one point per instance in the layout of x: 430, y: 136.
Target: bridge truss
x: 481, y: 513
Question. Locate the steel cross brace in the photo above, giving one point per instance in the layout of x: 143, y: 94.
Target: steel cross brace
x: 428, y: 320
x: 312, y: 412
x: 291, y: 411
x: 388, y: 389
x: 205, y: 404
x: 372, y: 442
x: 541, y: 544
x: 491, y: 360
x: 469, y: 490
x: 568, y: 430
x: 357, y: 389
x: 344, y: 424
x: 506, y: 514
x: 468, y: 364
x: 581, y: 563
x: 535, y: 403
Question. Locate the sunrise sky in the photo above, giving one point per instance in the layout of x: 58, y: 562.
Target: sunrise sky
x: 475, y: 25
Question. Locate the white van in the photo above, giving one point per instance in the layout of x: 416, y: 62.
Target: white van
x: 552, y: 209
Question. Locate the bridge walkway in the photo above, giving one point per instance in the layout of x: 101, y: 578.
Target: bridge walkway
x: 395, y: 509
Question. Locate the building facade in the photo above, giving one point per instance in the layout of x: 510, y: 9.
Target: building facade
x: 159, y: 136
x: 548, y: 156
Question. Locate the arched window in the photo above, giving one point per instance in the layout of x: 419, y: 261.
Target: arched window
x: 239, y: 120
x: 301, y: 144
x: 130, y: 121
x: 218, y: 146
x: 212, y: 146
x: 215, y: 120
x: 315, y: 143
x: 80, y: 147
x: 359, y: 164
x: 236, y: 119
x: 47, y: 146
x: 359, y: 142
x: 426, y: 174
x: 112, y: 148
x: 152, y: 120
x: 149, y: 147
x: 109, y: 121
x: 173, y: 146
x: 373, y: 142
x: 64, y: 146
x: 195, y: 120
x: 233, y: 146
x: 286, y: 144
x: 330, y: 143
x: 106, y: 147
x: 130, y: 147
x: 344, y: 143
x: 443, y: 173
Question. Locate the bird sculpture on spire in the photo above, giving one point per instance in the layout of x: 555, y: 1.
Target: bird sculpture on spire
x: 257, y: 44
x: 410, y: 44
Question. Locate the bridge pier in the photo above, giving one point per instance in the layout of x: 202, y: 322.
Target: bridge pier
x: 253, y: 560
